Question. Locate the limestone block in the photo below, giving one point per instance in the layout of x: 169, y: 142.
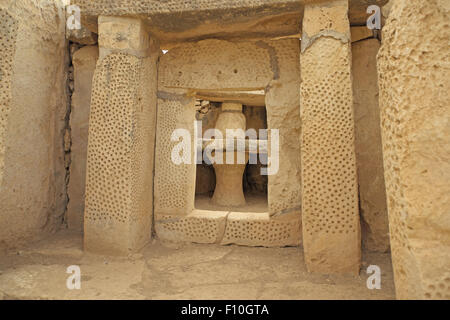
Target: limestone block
x: 205, y: 179
x: 369, y: 155
x: 81, y: 36
x: 174, y: 183
x: 195, y: 67
x: 283, y: 114
x: 200, y: 226
x: 330, y: 217
x: 413, y: 65
x: 33, y: 106
x: 84, y: 62
x: 328, y: 19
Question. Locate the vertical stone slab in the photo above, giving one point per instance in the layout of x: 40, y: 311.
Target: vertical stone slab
x: 84, y: 62
x: 330, y: 217
x: 119, y: 180
x: 414, y: 68
x: 33, y: 106
x: 174, y: 183
x: 369, y: 155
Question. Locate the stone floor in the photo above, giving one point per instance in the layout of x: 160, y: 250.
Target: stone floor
x: 168, y: 271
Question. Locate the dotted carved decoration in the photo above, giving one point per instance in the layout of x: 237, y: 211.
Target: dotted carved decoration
x: 8, y: 33
x: 173, y: 183
x: 194, y: 229
x: 329, y: 186
x: 112, y: 132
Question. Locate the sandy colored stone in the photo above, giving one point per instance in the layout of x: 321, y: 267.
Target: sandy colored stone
x: 283, y: 113
x: 369, y: 155
x: 191, y: 271
x: 33, y: 106
x: 126, y: 35
x: 174, y: 183
x: 200, y: 226
x: 273, y: 65
x: 330, y: 216
x: 119, y: 180
x: 413, y: 65
x: 84, y: 62
x: 82, y: 36
x: 259, y: 229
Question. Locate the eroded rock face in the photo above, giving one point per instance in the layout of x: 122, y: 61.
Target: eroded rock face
x: 84, y: 61
x: 413, y: 67
x: 229, y: 190
x: 330, y: 215
x: 369, y: 156
x: 33, y: 103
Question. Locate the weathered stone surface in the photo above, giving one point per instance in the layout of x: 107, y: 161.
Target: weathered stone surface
x: 360, y: 33
x: 414, y: 66
x: 369, y: 155
x: 33, y: 106
x: 259, y: 229
x: 200, y: 226
x: 119, y: 179
x: 330, y: 217
x: 84, y: 62
x: 282, y: 107
x: 81, y: 36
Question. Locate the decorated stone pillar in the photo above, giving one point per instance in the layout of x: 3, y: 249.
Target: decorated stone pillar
x: 413, y: 69
x: 330, y: 217
x: 119, y: 181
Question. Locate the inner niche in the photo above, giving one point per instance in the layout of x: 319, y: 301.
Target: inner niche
x: 253, y: 182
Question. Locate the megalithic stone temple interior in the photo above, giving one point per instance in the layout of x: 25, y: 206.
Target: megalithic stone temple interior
x: 224, y: 149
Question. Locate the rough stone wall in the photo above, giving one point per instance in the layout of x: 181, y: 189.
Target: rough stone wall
x: 369, y: 155
x: 330, y: 215
x: 84, y: 61
x: 414, y: 65
x: 32, y: 119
